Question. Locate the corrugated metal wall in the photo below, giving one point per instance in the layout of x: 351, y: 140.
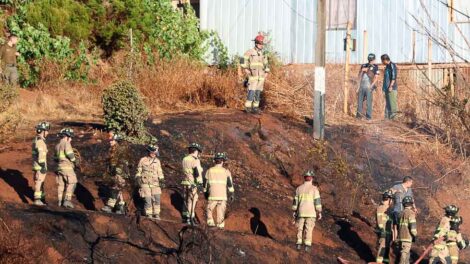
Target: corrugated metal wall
x: 292, y: 25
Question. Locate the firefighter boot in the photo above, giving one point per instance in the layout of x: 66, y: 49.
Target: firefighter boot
x: 68, y: 204
x: 299, y: 247
x: 107, y: 209
x: 249, y: 101
x: 308, y: 248
x: 38, y: 202
x: 193, y: 221
x: 121, y: 209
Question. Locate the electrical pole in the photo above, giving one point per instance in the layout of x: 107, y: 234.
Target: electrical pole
x: 320, y: 73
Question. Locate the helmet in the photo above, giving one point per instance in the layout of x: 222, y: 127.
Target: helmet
x: 152, y: 148
x: 220, y: 156
x: 259, y: 39
x: 407, y: 200
x: 68, y: 132
x: 195, y: 146
x: 116, y: 137
x: 451, y: 210
x: 43, y: 126
x: 387, y: 195
x: 371, y: 57
x: 455, y: 222
x: 309, y: 173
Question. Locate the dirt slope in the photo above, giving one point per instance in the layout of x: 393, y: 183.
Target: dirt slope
x: 267, y: 155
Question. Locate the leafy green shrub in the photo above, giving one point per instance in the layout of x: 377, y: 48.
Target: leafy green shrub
x: 124, y: 110
x: 61, y: 17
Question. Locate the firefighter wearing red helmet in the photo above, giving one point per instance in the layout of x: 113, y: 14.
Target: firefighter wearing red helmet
x: 256, y: 69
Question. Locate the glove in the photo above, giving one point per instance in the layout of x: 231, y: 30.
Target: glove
x: 232, y: 197
x: 414, y: 239
x: 294, y: 215
x: 200, y: 188
x: 162, y: 184
x: 43, y: 168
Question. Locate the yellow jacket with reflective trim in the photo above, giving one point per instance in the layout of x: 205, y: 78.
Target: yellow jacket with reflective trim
x: 407, y: 229
x: 256, y: 63
x: 442, y: 228
x: 150, y: 172
x: 192, y: 171
x: 64, y: 155
x: 39, y: 152
x: 455, y: 239
x: 218, y: 180
x: 307, y: 201
x: 384, y: 221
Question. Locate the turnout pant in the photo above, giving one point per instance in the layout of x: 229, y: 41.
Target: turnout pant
x: 220, y: 207
x: 383, y: 253
x: 151, y: 196
x: 405, y: 248
x: 305, y: 227
x: 190, y: 200
x: 116, y: 197
x: 39, y: 185
x: 66, y: 182
x: 440, y: 255
x: 454, y: 253
x: 255, y: 87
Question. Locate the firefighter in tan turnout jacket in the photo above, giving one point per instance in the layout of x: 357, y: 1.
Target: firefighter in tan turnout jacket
x: 407, y: 231
x: 440, y: 251
x: 218, y: 180
x: 66, y: 177
x: 307, y: 209
x: 384, y: 227
x: 39, y: 151
x: 117, y: 172
x: 256, y: 69
x: 151, y: 180
x: 192, y: 181
x: 454, y: 239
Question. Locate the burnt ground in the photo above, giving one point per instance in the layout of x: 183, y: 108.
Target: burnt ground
x: 267, y: 156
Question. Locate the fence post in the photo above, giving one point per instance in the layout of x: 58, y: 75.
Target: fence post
x: 346, y: 69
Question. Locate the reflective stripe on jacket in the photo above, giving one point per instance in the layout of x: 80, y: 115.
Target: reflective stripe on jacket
x: 256, y: 63
x: 307, y: 201
x: 192, y: 171
x: 150, y: 172
x: 384, y: 221
x: 64, y: 155
x: 218, y: 179
x: 407, y: 229
x: 39, y: 153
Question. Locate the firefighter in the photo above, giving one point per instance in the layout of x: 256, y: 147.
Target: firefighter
x: 39, y: 151
x: 151, y: 180
x: 384, y: 227
x: 256, y: 69
x: 407, y: 231
x: 218, y: 180
x: 66, y: 177
x: 117, y: 167
x: 440, y: 251
x: 454, y: 239
x: 192, y: 181
x: 307, y: 209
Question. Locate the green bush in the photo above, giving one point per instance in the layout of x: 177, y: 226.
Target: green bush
x: 61, y: 17
x: 124, y: 110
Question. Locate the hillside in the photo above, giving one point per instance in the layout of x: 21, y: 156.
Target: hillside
x: 267, y: 156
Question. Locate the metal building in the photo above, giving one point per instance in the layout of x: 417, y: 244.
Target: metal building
x: 391, y: 27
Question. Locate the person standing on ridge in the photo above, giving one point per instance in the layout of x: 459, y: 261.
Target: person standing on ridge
x: 368, y: 76
x: 66, y: 177
x: 39, y: 152
x: 192, y: 181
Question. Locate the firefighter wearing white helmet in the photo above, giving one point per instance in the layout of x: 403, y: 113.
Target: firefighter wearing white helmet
x: 66, y: 160
x: 256, y: 68
x: 218, y: 180
x: 307, y: 209
x: 191, y: 182
x: 39, y: 153
x: 151, y: 180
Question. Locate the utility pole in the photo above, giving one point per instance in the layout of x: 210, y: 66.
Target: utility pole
x: 319, y: 85
x: 346, y: 69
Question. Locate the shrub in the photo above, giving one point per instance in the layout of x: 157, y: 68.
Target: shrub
x: 9, y: 115
x: 61, y: 17
x: 125, y: 110
x: 9, y: 95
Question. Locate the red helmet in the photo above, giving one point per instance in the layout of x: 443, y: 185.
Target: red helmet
x: 259, y: 39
